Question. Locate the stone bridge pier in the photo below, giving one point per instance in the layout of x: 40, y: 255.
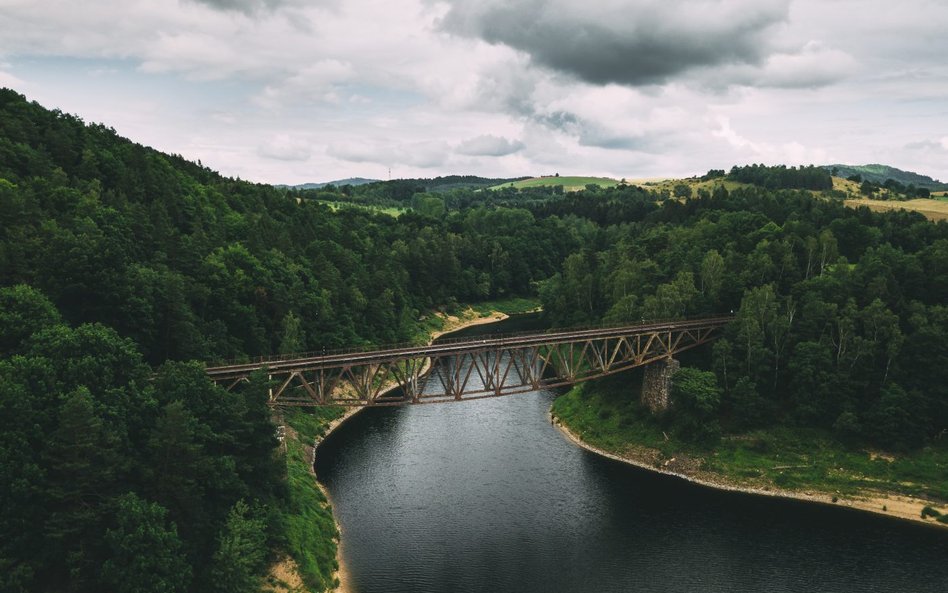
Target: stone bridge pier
x: 657, y: 384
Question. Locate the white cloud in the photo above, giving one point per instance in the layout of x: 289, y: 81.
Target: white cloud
x: 284, y: 147
x: 418, y: 154
x: 10, y: 81
x: 489, y: 145
x: 789, y: 153
x: 282, y: 90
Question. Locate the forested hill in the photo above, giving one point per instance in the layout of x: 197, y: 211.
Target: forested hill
x: 354, y: 181
x: 882, y: 173
x: 117, y: 475
x: 841, y: 317
x: 122, y: 468
x: 190, y: 264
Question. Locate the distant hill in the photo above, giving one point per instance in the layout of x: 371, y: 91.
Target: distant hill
x: 452, y: 182
x: 337, y: 183
x: 880, y: 173
x: 435, y: 184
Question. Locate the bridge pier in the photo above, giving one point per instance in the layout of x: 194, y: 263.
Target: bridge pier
x: 657, y: 384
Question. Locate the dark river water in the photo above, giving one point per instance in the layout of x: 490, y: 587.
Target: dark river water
x: 488, y: 496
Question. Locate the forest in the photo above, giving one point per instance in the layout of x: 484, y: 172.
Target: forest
x: 841, y: 320
x: 123, y: 270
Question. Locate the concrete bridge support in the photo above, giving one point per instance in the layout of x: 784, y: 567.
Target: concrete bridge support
x: 657, y: 384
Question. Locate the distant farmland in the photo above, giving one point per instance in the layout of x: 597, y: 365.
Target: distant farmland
x: 568, y: 183
x: 932, y: 209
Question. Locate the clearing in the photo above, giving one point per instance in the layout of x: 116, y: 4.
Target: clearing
x: 933, y: 209
x: 569, y: 183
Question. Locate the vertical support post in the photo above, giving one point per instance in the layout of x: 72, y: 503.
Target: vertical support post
x: 657, y: 384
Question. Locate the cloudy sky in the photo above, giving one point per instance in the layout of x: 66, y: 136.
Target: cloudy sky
x: 290, y: 91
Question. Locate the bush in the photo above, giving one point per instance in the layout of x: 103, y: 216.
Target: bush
x: 930, y: 512
x: 697, y: 398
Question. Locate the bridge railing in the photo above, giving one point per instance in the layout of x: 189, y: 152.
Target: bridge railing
x: 455, y: 340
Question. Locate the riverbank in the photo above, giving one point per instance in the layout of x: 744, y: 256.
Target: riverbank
x: 304, y: 431
x: 589, y: 421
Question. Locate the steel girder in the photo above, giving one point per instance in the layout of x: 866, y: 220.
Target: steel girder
x: 470, y: 369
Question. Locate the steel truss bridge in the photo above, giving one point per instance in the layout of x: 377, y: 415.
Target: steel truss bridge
x: 468, y: 368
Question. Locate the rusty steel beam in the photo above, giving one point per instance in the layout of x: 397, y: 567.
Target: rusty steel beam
x: 469, y: 369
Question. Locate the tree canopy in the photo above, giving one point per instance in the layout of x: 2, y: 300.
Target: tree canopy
x: 123, y: 270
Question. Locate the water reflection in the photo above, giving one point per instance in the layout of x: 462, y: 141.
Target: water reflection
x: 487, y: 496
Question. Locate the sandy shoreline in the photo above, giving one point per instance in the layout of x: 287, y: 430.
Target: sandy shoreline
x: 452, y: 324
x: 894, y: 506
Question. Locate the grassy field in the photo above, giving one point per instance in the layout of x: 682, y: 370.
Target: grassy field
x: 850, y: 188
x: 694, y: 183
x: 608, y: 416
x: 391, y: 211
x: 933, y: 209
x: 569, y: 183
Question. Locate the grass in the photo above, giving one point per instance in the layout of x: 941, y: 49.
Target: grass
x: 389, y: 210
x: 668, y: 185
x: 569, y: 183
x: 933, y: 209
x: 510, y: 306
x: 309, y: 527
x: 607, y: 415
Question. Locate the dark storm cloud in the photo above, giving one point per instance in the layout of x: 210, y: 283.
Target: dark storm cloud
x: 631, y: 42
x: 590, y: 133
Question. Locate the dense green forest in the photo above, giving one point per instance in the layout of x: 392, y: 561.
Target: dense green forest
x: 841, y: 314
x: 115, y: 259
x: 782, y: 177
x: 122, y: 468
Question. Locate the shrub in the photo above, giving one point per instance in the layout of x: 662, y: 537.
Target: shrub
x: 930, y: 512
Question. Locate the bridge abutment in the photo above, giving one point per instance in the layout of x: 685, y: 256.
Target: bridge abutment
x: 657, y: 384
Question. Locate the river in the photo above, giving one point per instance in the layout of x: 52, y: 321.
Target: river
x: 488, y: 496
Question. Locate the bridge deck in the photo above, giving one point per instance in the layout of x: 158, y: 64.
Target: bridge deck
x: 279, y: 365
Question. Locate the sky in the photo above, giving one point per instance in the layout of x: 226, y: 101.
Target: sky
x: 295, y: 91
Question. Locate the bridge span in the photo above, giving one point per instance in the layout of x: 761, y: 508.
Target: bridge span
x: 468, y: 368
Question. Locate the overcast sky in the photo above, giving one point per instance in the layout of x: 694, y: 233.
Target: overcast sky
x: 290, y: 91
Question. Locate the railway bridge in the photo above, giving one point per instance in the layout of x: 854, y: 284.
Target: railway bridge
x: 468, y: 368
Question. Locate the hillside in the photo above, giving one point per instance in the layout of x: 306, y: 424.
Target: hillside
x: 456, y: 182
x: 569, y: 183
x: 353, y: 181
x: 880, y: 173
x: 122, y: 271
